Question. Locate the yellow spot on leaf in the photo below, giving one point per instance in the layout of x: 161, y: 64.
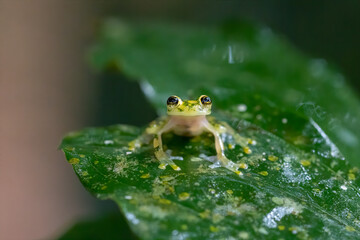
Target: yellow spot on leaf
x: 243, y: 165
x: 205, y: 214
x: 164, y: 201
x: 96, y: 162
x: 351, y: 176
x: 74, y: 161
x: 230, y: 191
x: 350, y: 229
x: 273, y: 158
x: 184, y: 196
x: 247, y: 150
x: 103, y: 187
x: 171, y: 189
x: 82, y: 155
x: 264, y: 173
x: 230, y: 146
x: 251, y: 141
x: 305, y: 163
x: 146, y: 175
x: 281, y: 227
x: 213, y: 229
x: 239, y: 173
x: 184, y: 227
x: 85, y: 173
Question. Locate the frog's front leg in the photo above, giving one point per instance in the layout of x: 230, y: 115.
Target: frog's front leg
x: 155, y: 130
x: 220, y: 150
x: 159, y: 151
x: 144, y: 138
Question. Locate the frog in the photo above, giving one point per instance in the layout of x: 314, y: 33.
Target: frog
x: 190, y: 118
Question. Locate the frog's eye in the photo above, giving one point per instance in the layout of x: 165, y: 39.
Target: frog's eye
x: 173, y: 101
x: 205, y: 100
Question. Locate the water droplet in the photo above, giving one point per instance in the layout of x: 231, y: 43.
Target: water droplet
x: 107, y: 142
x: 242, y: 108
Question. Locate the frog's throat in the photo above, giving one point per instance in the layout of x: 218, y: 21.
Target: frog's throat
x: 189, y: 114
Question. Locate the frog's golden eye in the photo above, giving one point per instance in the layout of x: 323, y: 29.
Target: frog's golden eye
x: 205, y: 100
x: 173, y: 101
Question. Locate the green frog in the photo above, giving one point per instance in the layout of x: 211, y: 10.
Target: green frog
x: 190, y: 118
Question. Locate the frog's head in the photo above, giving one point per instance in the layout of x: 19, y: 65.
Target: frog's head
x: 201, y: 106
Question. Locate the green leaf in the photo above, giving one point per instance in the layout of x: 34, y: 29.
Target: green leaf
x: 298, y: 111
x: 237, y: 63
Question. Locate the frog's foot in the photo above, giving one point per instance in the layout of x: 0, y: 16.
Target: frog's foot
x: 225, y: 162
x: 165, y: 160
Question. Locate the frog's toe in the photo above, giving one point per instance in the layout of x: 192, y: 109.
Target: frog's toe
x: 162, y: 166
x: 171, y: 164
x: 215, y: 165
x: 235, y: 170
x: 175, y: 167
x: 238, y: 172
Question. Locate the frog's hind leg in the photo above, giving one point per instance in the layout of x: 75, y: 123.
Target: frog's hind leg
x: 239, y: 140
x: 220, y: 151
x: 153, y: 128
x: 139, y: 141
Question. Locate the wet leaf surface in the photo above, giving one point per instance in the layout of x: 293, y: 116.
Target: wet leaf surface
x: 298, y: 183
x: 284, y: 192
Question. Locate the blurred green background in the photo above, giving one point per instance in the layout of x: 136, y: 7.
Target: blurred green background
x: 48, y: 89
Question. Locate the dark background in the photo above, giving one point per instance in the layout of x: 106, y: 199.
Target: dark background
x: 47, y: 88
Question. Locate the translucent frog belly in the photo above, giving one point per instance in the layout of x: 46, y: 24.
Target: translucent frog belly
x: 188, y: 126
